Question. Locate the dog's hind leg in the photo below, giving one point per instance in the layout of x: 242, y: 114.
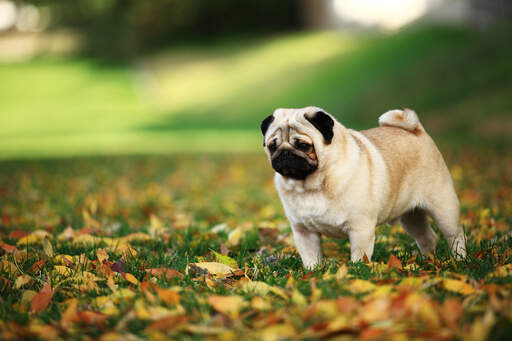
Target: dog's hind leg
x: 444, y: 210
x: 416, y: 224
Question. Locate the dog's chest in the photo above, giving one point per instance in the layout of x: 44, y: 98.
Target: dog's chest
x: 316, y: 212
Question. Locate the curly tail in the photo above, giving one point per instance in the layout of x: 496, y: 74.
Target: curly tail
x: 405, y: 119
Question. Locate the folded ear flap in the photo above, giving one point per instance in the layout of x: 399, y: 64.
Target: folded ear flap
x: 324, y: 123
x: 265, y: 124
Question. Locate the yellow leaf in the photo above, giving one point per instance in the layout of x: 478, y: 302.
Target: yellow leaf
x: 22, y: 280
x: 234, y: 237
x: 502, y: 271
x: 298, y: 299
x: 361, y: 286
x: 68, y: 316
x: 412, y: 282
x: 47, y: 247
x: 213, y: 268
x: 429, y: 315
x: 145, y: 312
x: 102, y: 255
x: 139, y: 237
x: 8, y: 267
x: 130, y: 278
x: 279, y: 292
x: 229, y: 305
x: 225, y: 260
x: 154, y: 222
x: 277, y: 332
x: 257, y: 288
x: 123, y: 294
x: 458, y: 286
x: 27, y: 296
x: 90, y: 221
x: 34, y: 237
x: 341, y: 273
x: 63, y: 259
x: 122, y: 250
x: 86, y: 239
x: 62, y: 270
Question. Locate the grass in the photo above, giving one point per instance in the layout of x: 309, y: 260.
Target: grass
x: 149, y: 212
x: 457, y: 80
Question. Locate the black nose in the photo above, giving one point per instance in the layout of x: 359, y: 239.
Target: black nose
x: 291, y: 165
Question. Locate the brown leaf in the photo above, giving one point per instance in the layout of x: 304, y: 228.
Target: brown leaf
x: 168, y: 273
x: 90, y: 317
x: 42, y: 299
x: 451, y: 312
x: 36, y: 267
x: 394, y: 262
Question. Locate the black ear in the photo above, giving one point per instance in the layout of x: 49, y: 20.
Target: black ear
x: 324, y: 123
x: 265, y: 124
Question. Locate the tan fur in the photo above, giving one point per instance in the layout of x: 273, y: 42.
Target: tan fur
x: 367, y: 178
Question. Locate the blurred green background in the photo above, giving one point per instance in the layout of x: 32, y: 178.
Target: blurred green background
x: 101, y: 77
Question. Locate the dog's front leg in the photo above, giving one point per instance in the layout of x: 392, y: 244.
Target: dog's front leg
x: 362, y: 240
x: 308, y: 244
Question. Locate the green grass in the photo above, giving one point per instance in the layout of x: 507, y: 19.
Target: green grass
x: 191, y: 196
x: 190, y: 97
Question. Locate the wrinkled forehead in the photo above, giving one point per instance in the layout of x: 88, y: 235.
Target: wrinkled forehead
x: 291, y: 115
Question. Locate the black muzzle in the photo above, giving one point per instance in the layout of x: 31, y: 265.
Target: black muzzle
x: 291, y: 165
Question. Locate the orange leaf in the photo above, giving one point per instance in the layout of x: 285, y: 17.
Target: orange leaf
x: 394, y: 262
x: 131, y: 278
x: 168, y: 296
x: 8, y: 248
x: 42, y: 299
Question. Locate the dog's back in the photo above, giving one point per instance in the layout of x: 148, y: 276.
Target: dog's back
x: 412, y: 159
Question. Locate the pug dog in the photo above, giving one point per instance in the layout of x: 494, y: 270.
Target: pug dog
x: 339, y: 182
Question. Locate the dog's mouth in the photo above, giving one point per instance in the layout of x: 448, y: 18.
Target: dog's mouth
x: 291, y: 165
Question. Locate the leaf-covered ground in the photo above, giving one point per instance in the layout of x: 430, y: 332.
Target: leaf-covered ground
x: 198, y: 247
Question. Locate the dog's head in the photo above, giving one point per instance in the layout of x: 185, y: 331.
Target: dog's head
x: 294, y: 140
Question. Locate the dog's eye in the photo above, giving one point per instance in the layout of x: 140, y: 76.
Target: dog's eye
x: 302, y: 146
x: 272, y: 146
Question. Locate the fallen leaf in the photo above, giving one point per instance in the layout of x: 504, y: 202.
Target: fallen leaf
x: 225, y: 260
x: 234, y: 237
x: 394, y: 262
x: 8, y: 248
x: 457, y: 286
x: 213, y: 268
x: 256, y: 288
x: 8, y: 267
x: 298, y: 299
x: 361, y: 286
x: 170, y: 297
x: 102, y: 255
x: 47, y: 247
x: 228, y: 305
x: 22, y: 280
x: 42, y: 299
x: 131, y: 278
